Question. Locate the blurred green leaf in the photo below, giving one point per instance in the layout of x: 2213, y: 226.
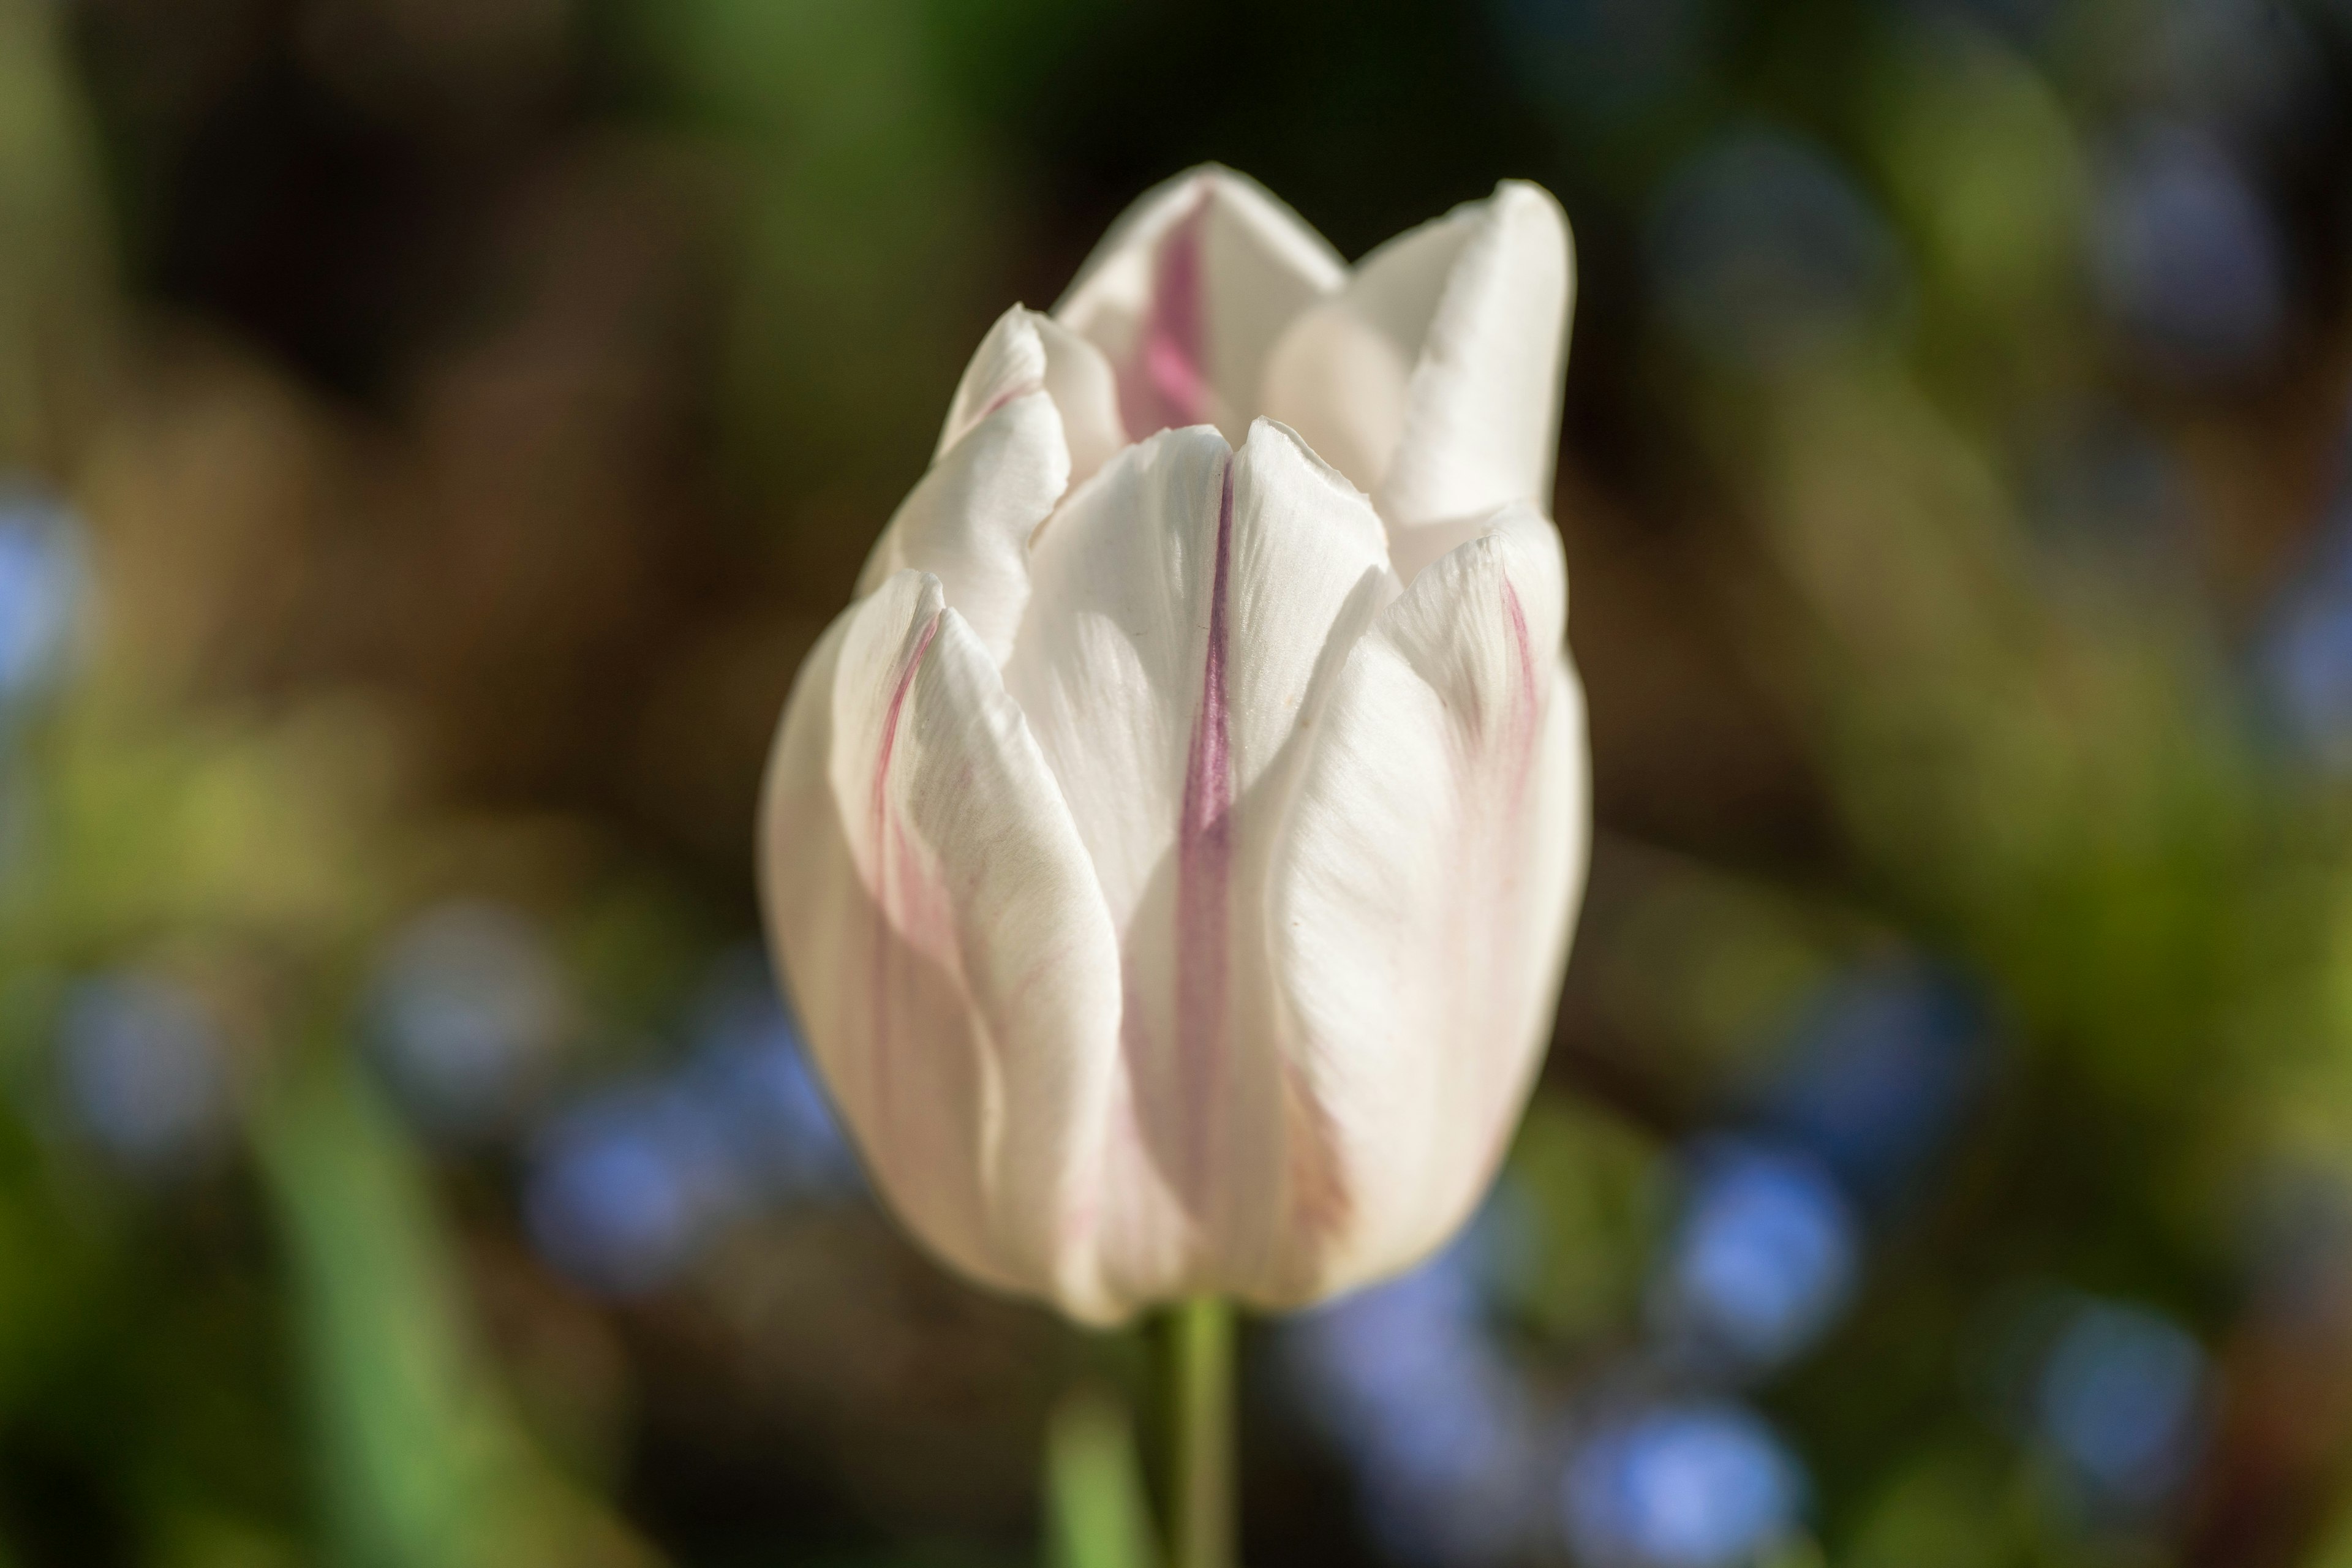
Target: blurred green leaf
x: 423, y: 1467
x: 401, y: 1442
x: 1096, y: 1512
x: 1599, y: 1190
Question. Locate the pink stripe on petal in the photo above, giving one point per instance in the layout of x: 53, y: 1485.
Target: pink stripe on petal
x: 1205, y: 850
x: 1018, y: 389
x: 1520, y: 642
x: 1165, y: 383
x: 1527, y: 722
x: 896, y: 878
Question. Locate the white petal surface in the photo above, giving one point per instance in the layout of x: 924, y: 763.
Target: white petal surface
x: 1004, y: 463
x: 1423, y: 898
x: 945, y: 941
x: 1087, y: 393
x: 1023, y: 351
x: 1188, y: 293
x: 1433, y: 379
x: 1185, y: 620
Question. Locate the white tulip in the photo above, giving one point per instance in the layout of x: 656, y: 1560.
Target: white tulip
x: 1173, y: 850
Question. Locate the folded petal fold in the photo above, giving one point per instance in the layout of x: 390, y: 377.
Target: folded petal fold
x: 1421, y: 900
x: 1004, y: 463
x: 1190, y: 291
x: 1189, y: 601
x: 950, y: 950
x: 1433, y: 377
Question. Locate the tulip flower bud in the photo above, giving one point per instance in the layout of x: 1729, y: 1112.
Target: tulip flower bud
x: 1173, y: 850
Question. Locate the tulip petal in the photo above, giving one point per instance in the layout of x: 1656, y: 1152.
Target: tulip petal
x: 1187, y: 293
x: 1423, y: 898
x: 1003, y: 464
x: 1025, y: 350
x: 944, y: 938
x: 1433, y: 378
x: 1190, y: 604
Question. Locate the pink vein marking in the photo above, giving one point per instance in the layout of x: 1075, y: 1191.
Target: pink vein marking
x: 1166, y: 382
x: 1527, y: 724
x: 1526, y: 649
x: 890, y: 726
x: 1204, y: 852
x: 1018, y: 389
x: 883, y: 841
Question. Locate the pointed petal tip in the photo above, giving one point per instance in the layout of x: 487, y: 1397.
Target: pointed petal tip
x: 1277, y: 436
x: 1526, y: 206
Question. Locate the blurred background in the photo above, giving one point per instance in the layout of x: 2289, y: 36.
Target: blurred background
x: 431, y: 431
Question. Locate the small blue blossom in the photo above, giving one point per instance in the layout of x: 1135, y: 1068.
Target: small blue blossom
x: 2185, y: 254
x: 628, y: 1186
x: 1880, y: 1066
x: 1701, y: 1485
x: 752, y: 1067
x: 1763, y: 1260
x: 465, y: 1013
x: 41, y: 588
x: 2303, y: 661
x: 1405, y: 1378
x: 625, y: 1188
x: 142, y: 1070
x: 2120, y: 1398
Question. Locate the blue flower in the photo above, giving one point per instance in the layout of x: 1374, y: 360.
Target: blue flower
x: 141, y: 1066
x: 1404, y: 1378
x: 625, y: 1188
x: 463, y: 1014
x: 2303, y: 663
x: 1882, y: 1064
x: 2120, y: 1398
x: 1700, y: 1485
x: 1764, y: 1259
x: 41, y: 582
x: 751, y: 1069
x: 2185, y: 254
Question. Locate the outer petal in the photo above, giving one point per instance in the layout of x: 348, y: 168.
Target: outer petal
x: 1189, y: 291
x: 1423, y: 898
x: 1190, y: 602
x: 945, y: 939
x: 1433, y: 379
x: 1025, y: 350
x: 1004, y: 463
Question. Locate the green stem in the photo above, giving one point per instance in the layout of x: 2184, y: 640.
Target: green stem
x: 1201, y: 1404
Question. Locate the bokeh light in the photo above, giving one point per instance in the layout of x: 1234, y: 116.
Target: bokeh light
x: 1696, y: 1485
x: 628, y: 1184
x: 2184, y: 253
x: 41, y: 588
x: 466, y: 1013
x: 141, y: 1061
x: 1764, y: 1256
x: 1406, y: 1379
x: 1877, y: 1073
x: 2121, y: 1397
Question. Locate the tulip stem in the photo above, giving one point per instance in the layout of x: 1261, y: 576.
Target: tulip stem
x: 1200, y: 1354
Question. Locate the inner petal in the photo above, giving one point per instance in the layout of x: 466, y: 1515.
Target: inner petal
x: 1166, y: 382
x: 1189, y: 604
x: 1188, y: 294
